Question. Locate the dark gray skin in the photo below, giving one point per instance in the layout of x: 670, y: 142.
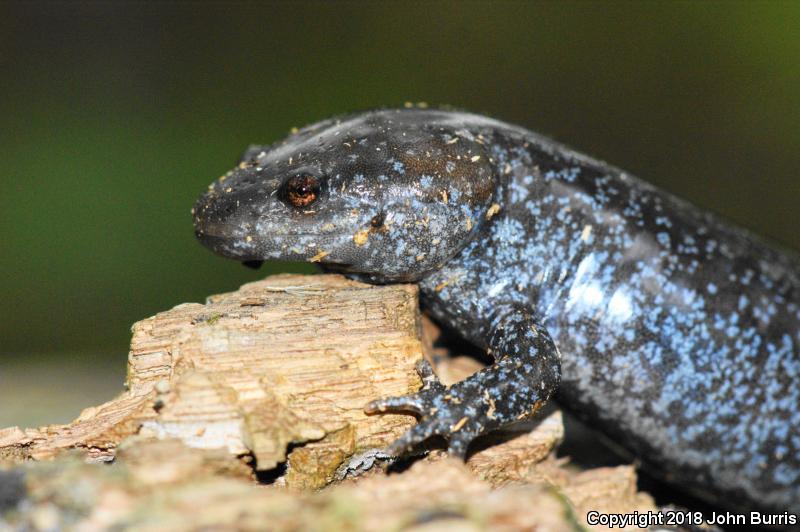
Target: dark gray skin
x: 675, y: 334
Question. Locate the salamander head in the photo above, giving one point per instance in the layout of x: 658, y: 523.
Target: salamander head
x: 385, y: 195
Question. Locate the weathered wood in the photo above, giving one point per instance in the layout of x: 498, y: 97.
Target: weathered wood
x: 287, y: 360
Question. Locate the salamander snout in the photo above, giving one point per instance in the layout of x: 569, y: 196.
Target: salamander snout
x: 221, y: 224
x: 264, y: 211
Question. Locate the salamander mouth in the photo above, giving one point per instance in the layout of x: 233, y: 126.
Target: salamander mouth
x: 333, y: 267
x: 226, y: 231
x: 337, y: 267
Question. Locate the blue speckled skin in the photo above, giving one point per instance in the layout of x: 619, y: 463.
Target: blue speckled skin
x: 674, y: 333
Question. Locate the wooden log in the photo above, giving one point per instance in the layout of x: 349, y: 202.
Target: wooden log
x: 287, y: 361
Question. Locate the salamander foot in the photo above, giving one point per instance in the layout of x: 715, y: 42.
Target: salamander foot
x: 442, y: 411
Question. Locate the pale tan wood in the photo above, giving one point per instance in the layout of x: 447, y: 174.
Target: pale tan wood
x: 287, y: 360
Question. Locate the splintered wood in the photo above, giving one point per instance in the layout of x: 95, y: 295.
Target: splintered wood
x: 289, y: 360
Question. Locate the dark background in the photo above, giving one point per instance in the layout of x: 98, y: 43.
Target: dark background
x: 115, y: 116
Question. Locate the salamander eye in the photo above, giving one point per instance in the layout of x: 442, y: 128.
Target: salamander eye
x: 301, y: 190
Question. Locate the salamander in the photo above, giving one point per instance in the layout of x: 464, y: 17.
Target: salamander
x: 671, y: 331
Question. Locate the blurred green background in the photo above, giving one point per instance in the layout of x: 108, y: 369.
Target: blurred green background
x: 115, y: 117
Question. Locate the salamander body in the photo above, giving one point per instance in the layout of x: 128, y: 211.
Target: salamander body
x: 674, y: 333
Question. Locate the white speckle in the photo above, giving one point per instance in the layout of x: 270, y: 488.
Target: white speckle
x: 587, y: 230
x: 619, y: 307
x: 588, y: 295
x: 497, y: 288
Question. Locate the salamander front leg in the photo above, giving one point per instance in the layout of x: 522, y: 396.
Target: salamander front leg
x: 525, y: 373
